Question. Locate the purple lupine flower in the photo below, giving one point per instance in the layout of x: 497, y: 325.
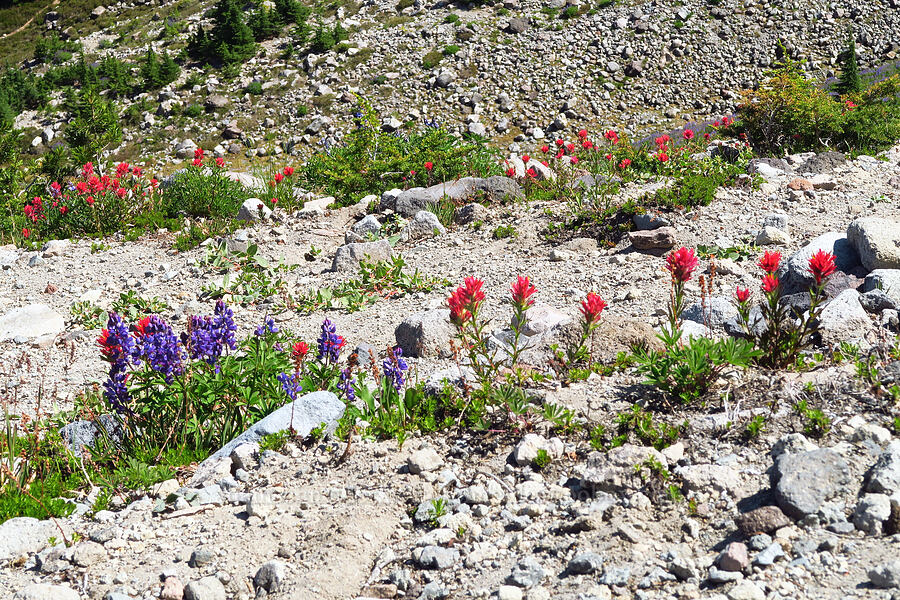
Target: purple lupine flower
x: 158, y: 345
x: 116, y: 391
x: 394, y: 367
x: 116, y: 344
x: 290, y: 384
x: 207, y: 337
x: 268, y: 326
x: 223, y: 322
x: 330, y: 343
x: 345, y: 385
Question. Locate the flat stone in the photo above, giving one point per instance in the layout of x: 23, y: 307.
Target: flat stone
x: 44, y: 591
x: 88, y: 553
x: 886, y: 576
x: 655, y: 239
x: 21, y: 536
x: 734, y: 557
x: 435, y: 557
x: 254, y: 209
x: 746, y: 590
x: 30, y: 322
x: 208, y: 588
x: 585, y: 563
x: 424, y: 460
x: 426, y: 334
x: 303, y: 415
x: 886, y: 280
x: 844, y: 318
x: 347, y: 257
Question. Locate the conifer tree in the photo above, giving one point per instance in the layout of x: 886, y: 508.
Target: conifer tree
x: 849, y: 82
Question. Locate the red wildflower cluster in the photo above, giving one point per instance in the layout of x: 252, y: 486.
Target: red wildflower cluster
x: 198, y: 157
x: 681, y: 264
x: 688, y: 134
x: 821, y: 265
x: 464, y: 302
x: 591, y: 309
x: 769, y: 261
x: 521, y: 292
x: 742, y: 295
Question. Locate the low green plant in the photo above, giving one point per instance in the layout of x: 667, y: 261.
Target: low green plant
x: 815, y: 423
x: 438, y: 510
x: 203, y: 191
x: 502, y: 232
x: 754, y: 427
x: 686, y: 370
x: 274, y: 441
x: 371, y: 160
x: 133, y: 306
x: 87, y: 315
x: 247, y: 277
x: 639, y: 422
x: 378, y: 279
x: 431, y: 59
x: 542, y: 459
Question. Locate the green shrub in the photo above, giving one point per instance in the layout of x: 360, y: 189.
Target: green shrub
x: 789, y: 113
x: 255, y: 88
x: 451, y: 18
x: 569, y: 13
x: 323, y: 40
x: 264, y: 23
x: 193, y: 110
x: 371, y: 161
x: 52, y: 49
x: 204, y: 192
x: 450, y: 50
x: 431, y: 60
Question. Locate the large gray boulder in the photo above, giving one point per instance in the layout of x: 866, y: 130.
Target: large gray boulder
x: 490, y: 189
x: 348, y: 256
x: 804, y: 481
x: 877, y: 241
x: 844, y: 318
x: 303, y: 415
x: 794, y: 273
x: 21, y: 536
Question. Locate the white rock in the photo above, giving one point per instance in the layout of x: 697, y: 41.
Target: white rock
x: 30, y: 322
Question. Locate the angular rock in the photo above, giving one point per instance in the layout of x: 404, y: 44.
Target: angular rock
x: 746, y: 590
x: 473, y: 212
x: 424, y: 460
x: 794, y: 273
x: 303, y: 415
x: 764, y: 519
x: 886, y: 576
x: 21, y: 536
x: 79, y: 435
x: 526, y: 574
x: 491, y: 189
x: 270, y: 576
x: 585, y: 563
x: 435, y: 557
x: 871, y: 512
x: 884, y: 476
x: 88, y: 553
x: 614, y: 471
x: 656, y: 239
x: 877, y: 241
x: 426, y: 334
x: 886, y: 280
x: 734, y: 557
x: 844, y: 318
x: 424, y: 225
x: 208, y: 588
x: 254, y: 209
x: 804, y: 482
x: 347, y: 257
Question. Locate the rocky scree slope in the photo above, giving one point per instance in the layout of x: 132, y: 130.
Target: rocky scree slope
x: 782, y: 516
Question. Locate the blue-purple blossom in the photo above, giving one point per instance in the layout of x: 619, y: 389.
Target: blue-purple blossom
x: 158, y: 346
x: 268, y: 326
x: 290, y: 384
x: 345, y: 385
x: 330, y: 343
x: 115, y: 391
x: 394, y: 367
x: 208, y: 336
x: 116, y: 344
